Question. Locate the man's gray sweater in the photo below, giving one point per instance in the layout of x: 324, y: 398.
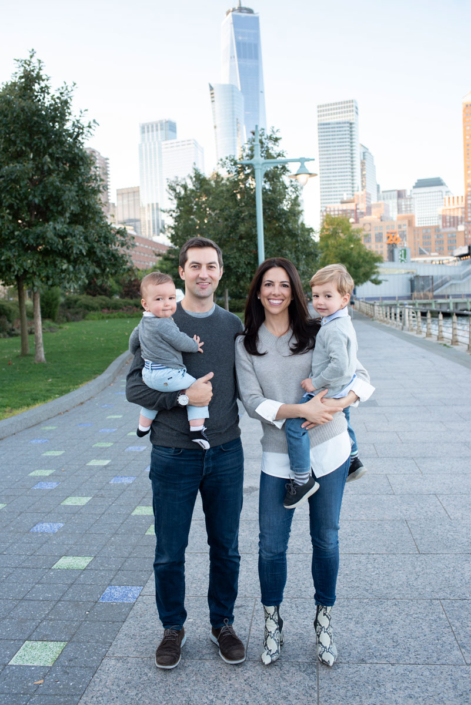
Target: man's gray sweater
x: 161, y: 341
x: 170, y: 428
x: 334, y: 360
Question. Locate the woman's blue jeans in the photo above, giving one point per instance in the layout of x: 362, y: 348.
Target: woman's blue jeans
x: 275, y: 527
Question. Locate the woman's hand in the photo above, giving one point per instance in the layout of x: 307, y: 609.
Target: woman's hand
x: 351, y: 398
x: 316, y: 413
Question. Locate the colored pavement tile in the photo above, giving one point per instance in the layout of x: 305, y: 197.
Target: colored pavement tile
x: 46, y: 485
x: 150, y: 531
x: 38, y: 653
x: 41, y: 473
x: 147, y: 469
x: 122, y: 479
x: 107, y: 430
x: 84, y: 425
x: 54, y: 452
x: 102, y: 445
x: 76, y: 501
x: 72, y: 562
x: 46, y: 528
x: 40, y: 440
x: 106, y: 406
x: 48, y: 428
x: 99, y: 462
x: 142, y: 511
x: 115, y: 416
x: 132, y: 433
x: 2, y: 505
x: 116, y: 593
x: 136, y: 449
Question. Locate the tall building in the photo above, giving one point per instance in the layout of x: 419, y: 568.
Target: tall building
x: 467, y: 166
x: 428, y: 196
x: 227, y: 104
x: 161, y: 158
x: 452, y: 212
x: 368, y: 173
x: 242, y: 62
x: 128, y: 208
x: 339, y: 151
x: 398, y: 201
x: 102, y: 166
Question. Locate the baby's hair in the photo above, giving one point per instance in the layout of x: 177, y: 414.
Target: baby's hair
x: 336, y: 273
x: 155, y: 278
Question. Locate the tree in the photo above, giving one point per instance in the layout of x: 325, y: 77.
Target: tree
x: 52, y: 228
x: 222, y: 207
x: 341, y: 243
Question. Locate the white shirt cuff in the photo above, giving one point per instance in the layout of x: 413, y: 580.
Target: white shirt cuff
x: 268, y: 410
x: 362, y: 389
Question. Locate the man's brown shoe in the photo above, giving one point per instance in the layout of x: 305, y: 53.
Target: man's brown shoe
x: 169, y: 651
x: 231, y: 649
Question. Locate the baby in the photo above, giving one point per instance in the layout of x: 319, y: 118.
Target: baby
x: 334, y: 362
x: 162, y: 344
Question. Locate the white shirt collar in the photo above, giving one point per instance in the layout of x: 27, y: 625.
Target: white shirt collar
x: 148, y: 314
x: 341, y: 313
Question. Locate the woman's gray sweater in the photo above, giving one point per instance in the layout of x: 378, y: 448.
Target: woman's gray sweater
x: 278, y: 376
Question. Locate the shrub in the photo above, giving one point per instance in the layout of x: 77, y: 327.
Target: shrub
x: 50, y: 300
x: 9, y: 310
x: 237, y: 305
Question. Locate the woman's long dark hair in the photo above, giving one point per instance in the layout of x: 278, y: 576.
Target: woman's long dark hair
x: 304, y: 328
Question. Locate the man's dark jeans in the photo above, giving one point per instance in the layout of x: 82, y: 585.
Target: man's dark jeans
x: 177, y: 475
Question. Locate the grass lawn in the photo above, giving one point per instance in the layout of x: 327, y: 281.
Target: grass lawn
x: 75, y: 354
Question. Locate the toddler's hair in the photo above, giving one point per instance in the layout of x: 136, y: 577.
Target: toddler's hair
x: 155, y: 278
x: 336, y: 273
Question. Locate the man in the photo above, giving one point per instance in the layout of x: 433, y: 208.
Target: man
x: 178, y: 470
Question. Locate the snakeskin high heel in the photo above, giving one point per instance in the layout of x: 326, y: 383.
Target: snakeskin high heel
x: 273, y: 636
x: 326, y: 649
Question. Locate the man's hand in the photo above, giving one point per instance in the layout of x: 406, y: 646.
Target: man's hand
x: 307, y: 385
x: 201, y: 391
x: 200, y: 344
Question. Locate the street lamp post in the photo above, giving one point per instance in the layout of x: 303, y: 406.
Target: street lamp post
x: 260, y: 167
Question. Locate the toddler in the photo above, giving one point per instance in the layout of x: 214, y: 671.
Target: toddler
x: 162, y: 344
x: 334, y: 362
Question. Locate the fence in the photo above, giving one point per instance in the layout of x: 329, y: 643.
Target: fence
x: 413, y: 320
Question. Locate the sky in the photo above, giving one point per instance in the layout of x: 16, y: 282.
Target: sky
x: 407, y: 63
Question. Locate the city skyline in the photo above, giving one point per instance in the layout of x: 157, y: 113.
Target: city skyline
x: 411, y: 111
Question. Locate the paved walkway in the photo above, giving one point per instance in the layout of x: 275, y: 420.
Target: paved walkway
x: 79, y: 621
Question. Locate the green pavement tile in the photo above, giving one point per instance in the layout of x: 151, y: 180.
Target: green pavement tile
x: 115, y: 416
x: 102, y: 445
x: 73, y: 562
x: 99, y: 462
x: 47, y: 428
x: 38, y: 653
x: 150, y: 531
x: 76, y: 501
x: 133, y: 433
x: 54, y: 452
x: 142, y: 511
x: 2, y: 505
x: 41, y: 473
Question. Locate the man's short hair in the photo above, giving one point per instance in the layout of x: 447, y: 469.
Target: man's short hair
x: 198, y: 242
x: 155, y: 278
x: 337, y: 274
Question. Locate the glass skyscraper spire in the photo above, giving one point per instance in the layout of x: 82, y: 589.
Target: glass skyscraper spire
x: 242, y: 62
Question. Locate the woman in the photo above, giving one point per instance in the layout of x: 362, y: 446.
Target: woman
x: 273, y: 356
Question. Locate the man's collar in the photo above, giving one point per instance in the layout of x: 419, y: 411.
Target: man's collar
x: 341, y: 313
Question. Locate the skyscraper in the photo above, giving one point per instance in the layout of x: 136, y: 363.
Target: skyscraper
x: 161, y: 158
x: 368, y: 173
x: 428, y: 196
x: 128, y: 208
x: 467, y: 166
x: 102, y: 166
x: 339, y: 151
x: 227, y: 104
x: 242, y: 62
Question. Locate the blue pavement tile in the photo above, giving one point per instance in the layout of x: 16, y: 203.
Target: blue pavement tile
x: 46, y: 528
x: 115, y: 593
x: 107, y: 430
x: 106, y: 406
x: 123, y: 480
x: 40, y: 440
x: 84, y: 425
x: 45, y: 485
x: 147, y: 469
x: 137, y: 449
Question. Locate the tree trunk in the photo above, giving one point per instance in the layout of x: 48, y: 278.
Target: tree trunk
x: 23, y: 321
x: 226, y: 299
x: 38, y: 329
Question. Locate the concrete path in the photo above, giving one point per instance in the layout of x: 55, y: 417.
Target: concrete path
x: 79, y: 621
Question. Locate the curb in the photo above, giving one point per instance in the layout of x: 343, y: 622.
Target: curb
x: 46, y: 411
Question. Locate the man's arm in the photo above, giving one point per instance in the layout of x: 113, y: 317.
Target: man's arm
x: 137, y: 391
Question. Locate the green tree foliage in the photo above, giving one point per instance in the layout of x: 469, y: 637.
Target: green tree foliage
x: 340, y: 242
x: 222, y: 207
x: 52, y: 229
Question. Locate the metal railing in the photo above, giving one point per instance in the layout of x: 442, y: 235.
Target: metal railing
x: 452, y: 329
